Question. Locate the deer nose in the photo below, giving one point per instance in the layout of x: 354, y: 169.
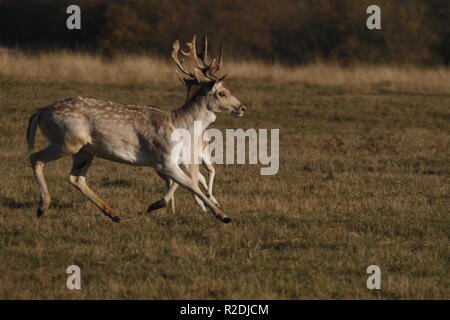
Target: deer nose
x: 242, y: 108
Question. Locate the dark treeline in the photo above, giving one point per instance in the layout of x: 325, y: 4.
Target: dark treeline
x: 288, y: 31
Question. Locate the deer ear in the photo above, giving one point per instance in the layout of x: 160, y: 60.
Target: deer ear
x: 218, y: 80
x: 215, y: 84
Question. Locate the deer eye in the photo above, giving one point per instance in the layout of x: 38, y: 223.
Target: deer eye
x: 222, y: 94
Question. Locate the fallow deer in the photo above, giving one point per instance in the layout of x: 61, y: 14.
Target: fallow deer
x: 136, y: 135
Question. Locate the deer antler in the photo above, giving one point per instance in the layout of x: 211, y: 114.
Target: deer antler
x: 192, y: 53
x: 214, y: 68
x: 175, y: 51
x: 203, y: 55
x: 201, y: 67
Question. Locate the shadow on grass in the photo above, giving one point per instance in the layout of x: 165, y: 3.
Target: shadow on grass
x: 106, y: 182
x: 14, y: 204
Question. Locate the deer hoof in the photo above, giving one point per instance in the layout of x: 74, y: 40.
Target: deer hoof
x: 157, y: 205
x: 226, y: 220
x: 115, y: 219
x: 40, y: 212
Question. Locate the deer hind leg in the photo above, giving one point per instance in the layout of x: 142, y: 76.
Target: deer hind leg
x: 38, y: 160
x: 168, y: 198
x: 175, y: 173
x: 81, y: 163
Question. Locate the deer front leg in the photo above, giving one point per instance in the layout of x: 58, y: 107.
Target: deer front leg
x: 172, y: 199
x: 175, y: 173
x: 212, y: 174
x: 194, y: 173
x: 202, y: 180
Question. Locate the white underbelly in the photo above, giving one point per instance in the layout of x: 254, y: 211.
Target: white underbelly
x: 122, y: 154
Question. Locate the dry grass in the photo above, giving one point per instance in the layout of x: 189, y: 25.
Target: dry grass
x: 73, y: 67
x: 364, y: 179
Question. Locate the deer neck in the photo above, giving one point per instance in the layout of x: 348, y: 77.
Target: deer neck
x: 192, y: 111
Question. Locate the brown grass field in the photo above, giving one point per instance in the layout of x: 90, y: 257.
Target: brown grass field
x: 364, y: 179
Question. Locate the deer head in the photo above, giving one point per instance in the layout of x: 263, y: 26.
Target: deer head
x: 205, y: 80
